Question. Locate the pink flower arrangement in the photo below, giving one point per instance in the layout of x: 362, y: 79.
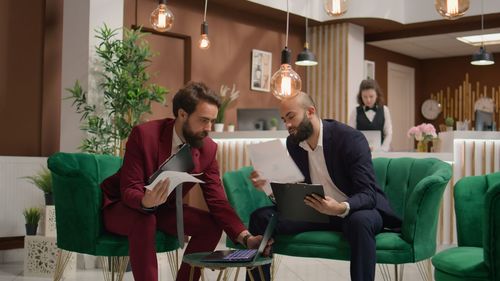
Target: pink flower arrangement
x: 423, y: 132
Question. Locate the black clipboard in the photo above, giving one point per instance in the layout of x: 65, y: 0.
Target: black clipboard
x: 182, y: 161
x: 290, y: 201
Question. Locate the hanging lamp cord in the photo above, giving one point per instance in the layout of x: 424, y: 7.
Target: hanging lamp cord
x: 287, y: 22
x: 205, y: 13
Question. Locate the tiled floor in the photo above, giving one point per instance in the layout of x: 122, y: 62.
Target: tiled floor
x: 291, y: 268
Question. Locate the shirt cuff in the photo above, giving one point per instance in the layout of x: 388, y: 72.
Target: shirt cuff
x: 347, y: 209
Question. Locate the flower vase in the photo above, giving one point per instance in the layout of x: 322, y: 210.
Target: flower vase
x: 422, y: 146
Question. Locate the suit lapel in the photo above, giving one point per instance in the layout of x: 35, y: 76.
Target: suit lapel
x: 328, y: 148
x: 165, y: 144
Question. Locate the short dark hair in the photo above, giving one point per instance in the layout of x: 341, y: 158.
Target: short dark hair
x: 188, y: 97
x: 370, y: 84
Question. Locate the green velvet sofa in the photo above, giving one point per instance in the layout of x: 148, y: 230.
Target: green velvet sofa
x: 78, y: 202
x: 414, y: 188
x: 477, y: 211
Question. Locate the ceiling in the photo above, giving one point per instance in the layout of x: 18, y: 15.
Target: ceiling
x: 421, y: 39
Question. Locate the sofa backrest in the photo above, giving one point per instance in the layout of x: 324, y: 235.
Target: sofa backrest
x: 242, y: 195
x: 78, y: 197
x: 398, y: 177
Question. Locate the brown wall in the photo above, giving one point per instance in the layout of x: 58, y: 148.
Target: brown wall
x: 432, y: 75
x: 382, y: 57
x: 439, y: 74
x: 233, y: 34
x: 30, y: 77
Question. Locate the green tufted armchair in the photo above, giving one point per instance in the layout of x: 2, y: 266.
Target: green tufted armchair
x: 414, y: 188
x: 477, y: 210
x: 78, y: 202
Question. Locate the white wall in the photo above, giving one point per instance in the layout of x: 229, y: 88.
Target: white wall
x: 81, y: 18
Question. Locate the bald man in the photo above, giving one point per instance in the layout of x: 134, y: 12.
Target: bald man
x: 338, y: 157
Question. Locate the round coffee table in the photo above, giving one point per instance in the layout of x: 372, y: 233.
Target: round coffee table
x: 196, y: 260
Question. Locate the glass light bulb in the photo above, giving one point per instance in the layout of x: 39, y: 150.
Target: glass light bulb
x: 204, y: 42
x: 162, y: 19
x: 452, y: 9
x: 285, y: 83
x: 335, y: 8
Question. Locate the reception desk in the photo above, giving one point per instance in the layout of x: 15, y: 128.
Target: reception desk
x: 469, y: 153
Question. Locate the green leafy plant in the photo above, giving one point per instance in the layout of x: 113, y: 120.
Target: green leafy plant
x: 32, y: 215
x: 449, y: 121
x: 273, y: 122
x: 127, y: 95
x: 226, y: 99
x: 42, y: 180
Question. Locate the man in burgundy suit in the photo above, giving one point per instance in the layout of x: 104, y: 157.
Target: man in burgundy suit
x: 129, y: 209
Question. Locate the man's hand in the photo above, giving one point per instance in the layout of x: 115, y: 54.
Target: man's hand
x: 253, y: 242
x: 327, y: 205
x: 257, y: 181
x: 157, y: 196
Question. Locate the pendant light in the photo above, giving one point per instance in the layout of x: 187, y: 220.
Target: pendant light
x: 451, y: 9
x: 335, y: 8
x: 162, y: 19
x: 482, y: 57
x: 306, y: 57
x: 204, y: 42
x: 285, y: 82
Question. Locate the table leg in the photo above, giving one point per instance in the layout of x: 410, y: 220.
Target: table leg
x: 249, y: 271
x: 261, y: 273
x: 191, y: 273
x: 236, y: 274
x: 219, y: 276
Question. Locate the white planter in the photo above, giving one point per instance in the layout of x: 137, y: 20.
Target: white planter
x: 219, y: 127
x: 230, y: 128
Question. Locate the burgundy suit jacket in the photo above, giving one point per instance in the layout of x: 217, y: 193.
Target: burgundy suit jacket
x: 148, y: 146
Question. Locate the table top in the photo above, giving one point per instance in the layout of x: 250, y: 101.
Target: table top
x: 195, y: 259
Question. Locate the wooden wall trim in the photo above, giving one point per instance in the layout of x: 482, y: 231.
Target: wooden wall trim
x: 14, y: 242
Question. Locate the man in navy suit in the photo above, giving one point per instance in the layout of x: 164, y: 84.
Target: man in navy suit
x: 337, y: 156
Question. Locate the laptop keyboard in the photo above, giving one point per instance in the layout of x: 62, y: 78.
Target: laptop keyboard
x: 242, y: 255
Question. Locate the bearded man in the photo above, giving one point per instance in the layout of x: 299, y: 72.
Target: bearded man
x: 338, y: 157
x: 133, y: 211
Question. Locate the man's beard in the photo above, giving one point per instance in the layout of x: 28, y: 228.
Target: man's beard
x: 303, y: 131
x: 193, y: 139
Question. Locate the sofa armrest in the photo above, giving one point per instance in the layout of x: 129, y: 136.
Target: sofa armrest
x: 491, y: 233
x: 421, y: 211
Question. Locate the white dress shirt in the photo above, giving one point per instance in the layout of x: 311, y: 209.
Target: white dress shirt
x: 176, y: 142
x: 319, y: 172
x: 370, y: 114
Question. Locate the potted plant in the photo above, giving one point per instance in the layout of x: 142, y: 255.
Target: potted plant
x: 273, y: 124
x: 43, y: 180
x: 126, y: 92
x: 230, y: 127
x: 226, y: 99
x: 449, y: 121
x: 32, y: 217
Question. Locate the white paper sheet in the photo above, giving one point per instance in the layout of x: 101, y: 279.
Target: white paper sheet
x: 272, y: 162
x: 176, y: 178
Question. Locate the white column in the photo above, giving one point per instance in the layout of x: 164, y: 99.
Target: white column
x: 81, y: 18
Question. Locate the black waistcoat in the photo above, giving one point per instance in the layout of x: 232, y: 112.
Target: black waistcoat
x: 364, y: 124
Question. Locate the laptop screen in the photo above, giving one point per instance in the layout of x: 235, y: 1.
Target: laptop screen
x: 267, y: 235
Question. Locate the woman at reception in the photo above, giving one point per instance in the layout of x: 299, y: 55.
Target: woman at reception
x: 371, y: 114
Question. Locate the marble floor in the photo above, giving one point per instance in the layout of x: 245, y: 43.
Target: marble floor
x: 290, y: 268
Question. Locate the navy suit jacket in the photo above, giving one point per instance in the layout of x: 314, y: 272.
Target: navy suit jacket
x: 349, y: 162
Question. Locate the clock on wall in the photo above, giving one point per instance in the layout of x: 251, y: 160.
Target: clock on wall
x: 431, y: 109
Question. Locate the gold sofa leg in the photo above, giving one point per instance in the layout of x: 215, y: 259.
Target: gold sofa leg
x: 63, y: 258
x: 115, y: 269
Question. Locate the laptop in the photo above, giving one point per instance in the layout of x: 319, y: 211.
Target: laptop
x: 245, y: 255
x: 182, y: 161
x: 374, y: 139
x: 290, y: 201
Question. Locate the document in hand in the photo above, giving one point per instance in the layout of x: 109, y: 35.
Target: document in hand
x: 271, y: 160
x: 176, y: 178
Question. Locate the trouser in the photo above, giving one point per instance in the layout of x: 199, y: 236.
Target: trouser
x: 141, y: 231
x: 359, y: 228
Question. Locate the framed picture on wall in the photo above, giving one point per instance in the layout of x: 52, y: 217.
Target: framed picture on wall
x: 260, y: 76
x: 369, y: 70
